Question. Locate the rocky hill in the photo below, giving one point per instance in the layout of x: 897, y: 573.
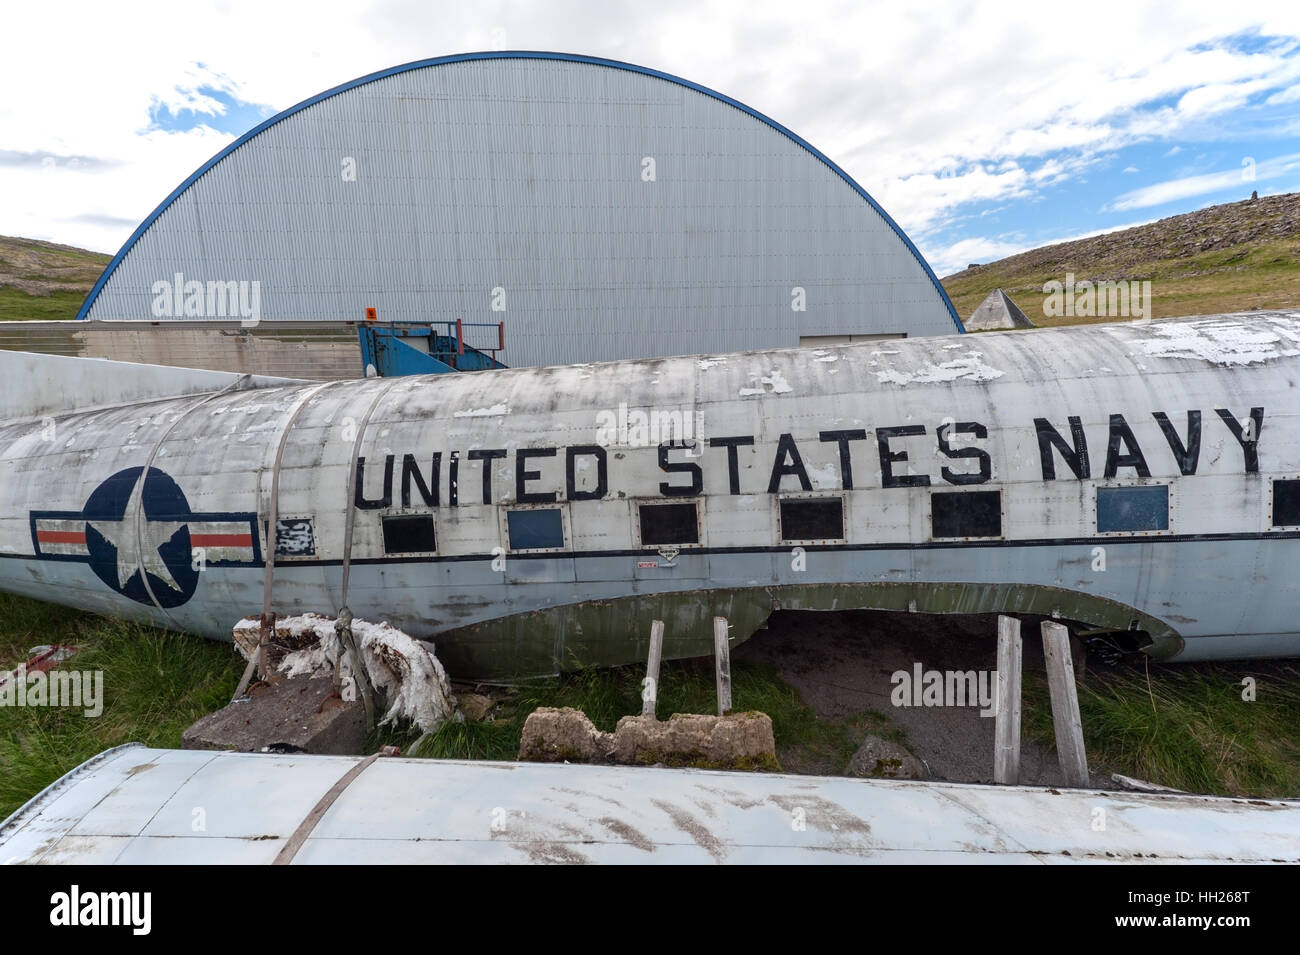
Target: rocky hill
x: 1225, y: 258
x: 45, y: 280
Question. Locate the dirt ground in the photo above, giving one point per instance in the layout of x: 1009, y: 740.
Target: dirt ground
x: 841, y: 664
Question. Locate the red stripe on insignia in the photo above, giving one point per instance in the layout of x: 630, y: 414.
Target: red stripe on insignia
x: 221, y: 540
x: 61, y: 537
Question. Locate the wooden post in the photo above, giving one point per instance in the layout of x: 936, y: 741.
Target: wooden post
x: 650, y: 688
x: 722, y: 657
x: 1006, y: 718
x: 257, y: 662
x: 1065, y: 704
x: 265, y: 631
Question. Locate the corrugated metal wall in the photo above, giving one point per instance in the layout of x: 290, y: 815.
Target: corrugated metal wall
x: 529, y: 176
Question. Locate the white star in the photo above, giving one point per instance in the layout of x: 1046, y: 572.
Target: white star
x: 153, y: 535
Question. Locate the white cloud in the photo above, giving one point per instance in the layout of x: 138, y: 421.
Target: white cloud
x: 1288, y: 95
x: 976, y: 251
x: 1243, y: 179
x: 929, y: 111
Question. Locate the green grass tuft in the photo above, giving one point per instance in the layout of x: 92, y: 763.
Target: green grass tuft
x: 805, y: 743
x: 155, y: 684
x: 1189, y: 728
x: 1225, y: 258
x: 17, y: 305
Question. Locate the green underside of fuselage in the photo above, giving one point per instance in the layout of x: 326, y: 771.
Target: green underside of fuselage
x: 616, y: 632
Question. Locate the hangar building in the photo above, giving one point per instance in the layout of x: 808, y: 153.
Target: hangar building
x: 600, y: 210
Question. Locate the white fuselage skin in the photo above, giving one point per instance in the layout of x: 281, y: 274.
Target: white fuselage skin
x: 1135, y: 471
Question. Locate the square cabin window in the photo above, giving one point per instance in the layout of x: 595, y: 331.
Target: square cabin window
x: 812, y: 519
x: 535, y: 529
x: 409, y: 534
x: 966, y: 514
x: 1133, y: 509
x: 669, y: 524
x: 1286, y: 503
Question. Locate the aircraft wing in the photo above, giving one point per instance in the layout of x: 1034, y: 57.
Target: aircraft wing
x: 34, y: 386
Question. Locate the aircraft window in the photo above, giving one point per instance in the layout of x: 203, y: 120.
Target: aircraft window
x: 966, y: 513
x: 294, y: 538
x: 669, y: 524
x: 1286, y: 503
x: 1138, y: 508
x: 409, y: 534
x: 535, y: 529
x: 812, y: 519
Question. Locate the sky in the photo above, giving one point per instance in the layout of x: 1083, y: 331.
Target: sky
x: 982, y: 128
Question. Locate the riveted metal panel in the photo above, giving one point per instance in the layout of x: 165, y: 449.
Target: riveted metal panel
x: 1217, y: 584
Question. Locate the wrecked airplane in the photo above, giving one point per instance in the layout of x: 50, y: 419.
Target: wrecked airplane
x: 1138, y: 481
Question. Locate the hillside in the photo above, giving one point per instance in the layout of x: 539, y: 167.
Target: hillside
x: 1226, y: 258
x: 42, y: 280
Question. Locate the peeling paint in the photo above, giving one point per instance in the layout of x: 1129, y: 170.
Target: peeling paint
x: 969, y: 368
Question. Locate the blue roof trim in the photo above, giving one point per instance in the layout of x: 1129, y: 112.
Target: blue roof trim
x: 513, y: 55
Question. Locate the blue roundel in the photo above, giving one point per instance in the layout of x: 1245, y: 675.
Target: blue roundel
x: 121, y: 541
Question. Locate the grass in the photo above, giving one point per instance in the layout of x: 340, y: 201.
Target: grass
x: 155, y: 685
x: 1188, y: 727
x: 1227, y: 258
x: 16, y: 305
x: 1236, y: 279
x: 43, y: 280
x: 805, y: 743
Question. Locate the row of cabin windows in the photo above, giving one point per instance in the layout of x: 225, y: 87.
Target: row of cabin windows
x: 953, y: 514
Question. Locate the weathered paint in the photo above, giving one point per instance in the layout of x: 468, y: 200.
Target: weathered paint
x: 765, y: 427
x: 614, y: 632
x: 39, y: 388
x: 133, y: 805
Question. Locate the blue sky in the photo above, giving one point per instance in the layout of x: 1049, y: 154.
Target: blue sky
x: 1252, y: 146
x: 1121, y: 189
x: 213, y: 107
x: 983, y: 129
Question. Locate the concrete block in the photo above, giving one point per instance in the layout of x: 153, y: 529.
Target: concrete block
x: 294, y: 715
x: 553, y: 735
x: 734, y: 741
